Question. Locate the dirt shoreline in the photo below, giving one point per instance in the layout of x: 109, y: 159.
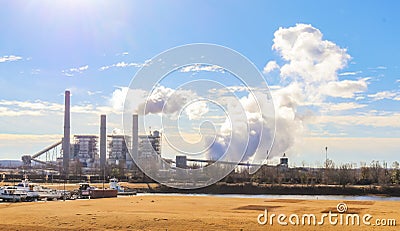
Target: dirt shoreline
x: 251, y: 189
x: 254, y: 189
x: 152, y: 212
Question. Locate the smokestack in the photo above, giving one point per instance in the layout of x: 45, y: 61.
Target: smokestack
x: 135, y: 135
x: 103, y: 141
x: 67, y: 133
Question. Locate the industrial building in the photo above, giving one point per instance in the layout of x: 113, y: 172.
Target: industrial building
x: 118, y: 152
x: 115, y: 147
x: 90, y: 153
x: 148, y: 144
x: 284, y: 161
x: 181, y: 162
x: 94, y: 152
x: 85, y: 150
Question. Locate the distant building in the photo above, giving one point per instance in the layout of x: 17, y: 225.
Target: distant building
x: 149, y: 144
x: 181, y: 162
x: 85, y: 150
x: 149, y: 151
x: 118, y: 152
x: 284, y: 161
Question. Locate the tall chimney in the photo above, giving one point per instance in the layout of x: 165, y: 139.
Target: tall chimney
x: 135, y: 136
x: 103, y: 141
x: 67, y: 133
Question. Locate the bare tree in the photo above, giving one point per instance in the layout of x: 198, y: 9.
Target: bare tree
x: 329, y: 171
x: 395, y: 175
x: 344, y: 174
x: 375, y: 171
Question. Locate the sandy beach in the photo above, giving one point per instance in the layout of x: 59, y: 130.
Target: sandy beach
x: 149, y: 212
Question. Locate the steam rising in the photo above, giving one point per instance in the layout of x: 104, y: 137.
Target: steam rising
x: 308, y: 75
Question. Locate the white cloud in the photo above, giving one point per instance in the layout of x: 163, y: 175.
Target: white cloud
x: 392, y: 120
x: 122, y: 53
x: 308, y: 76
x: 23, y: 137
x: 37, y: 105
x: 5, y: 111
x: 84, y: 109
x: 13, y: 145
x: 161, y: 100
x: 121, y: 65
x: 201, y: 67
x: 384, y: 95
x: 238, y: 89
x: 195, y: 110
x: 350, y: 73
x: 90, y: 93
x: 9, y: 58
x: 71, y: 71
x: 345, y: 88
x: 290, y: 96
x: 11, y: 108
x: 313, y: 64
x: 344, y: 106
x: 166, y: 100
x: 79, y: 69
x: 118, y: 97
x: 67, y: 74
x: 310, y: 58
x: 271, y: 65
x: 274, y: 87
x: 232, y: 89
x: 35, y: 71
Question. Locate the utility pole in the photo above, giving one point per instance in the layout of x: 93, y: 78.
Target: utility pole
x: 326, y: 157
x: 326, y: 165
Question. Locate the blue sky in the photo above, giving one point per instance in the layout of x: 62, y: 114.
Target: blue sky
x: 95, y: 47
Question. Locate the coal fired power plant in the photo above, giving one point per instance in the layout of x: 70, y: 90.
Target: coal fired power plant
x: 100, y: 155
x: 90, y: 153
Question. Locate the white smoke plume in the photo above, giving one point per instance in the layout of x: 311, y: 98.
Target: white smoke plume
x: 246, y: 127
x: 308, y: 74
x: 162, y: 99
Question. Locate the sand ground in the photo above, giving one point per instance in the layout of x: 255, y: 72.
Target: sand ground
x: 149, y: 212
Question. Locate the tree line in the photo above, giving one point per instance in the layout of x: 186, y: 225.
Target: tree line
x: 374, y: 173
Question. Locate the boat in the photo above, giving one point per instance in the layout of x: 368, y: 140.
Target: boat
x: 12, y: 193
x: 38, y: 192
x: 87, y: 191
x: 115, y: 185
x: 31, y: 194
x: 121, y: 190
x: 47, y: 193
